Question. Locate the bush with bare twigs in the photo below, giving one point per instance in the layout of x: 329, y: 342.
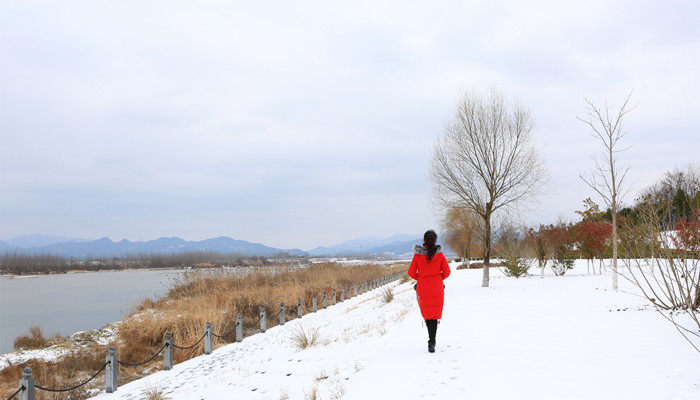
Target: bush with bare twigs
x: 662, y: 261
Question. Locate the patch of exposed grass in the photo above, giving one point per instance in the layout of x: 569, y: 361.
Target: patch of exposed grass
x: 388, y: 295
x: 304, y: 337
x: 153, y: 393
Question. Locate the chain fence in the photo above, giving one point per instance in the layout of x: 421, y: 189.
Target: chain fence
x: 145, y: 362
x: 27, y: 384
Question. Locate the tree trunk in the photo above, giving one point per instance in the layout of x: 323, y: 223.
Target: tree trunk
x: 487, y: 249
x: 467, y: 251
x: 544, y: 265
x: 614, y: 243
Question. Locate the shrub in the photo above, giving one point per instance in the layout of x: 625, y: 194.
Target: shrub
x: 515, y: 267
x: 561, y: 266
x: 34, y: 340
x: 478, y: 265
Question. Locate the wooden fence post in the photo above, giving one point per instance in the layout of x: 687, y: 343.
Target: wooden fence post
x: 111, y: 370
x: 314, y: 305
x: 168, y: 352
x: 208, y: 339
x: 26, y: 382
x: 300, y: 312
x: 239, y: 327
x: 283, y: 313
x: 342, y: 294
x: 334, y: 296
x: 355, y: 290
x: 263, y: 320
x: 325, y: 300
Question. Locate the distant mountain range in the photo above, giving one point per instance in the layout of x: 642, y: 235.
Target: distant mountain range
x: 397, y: 246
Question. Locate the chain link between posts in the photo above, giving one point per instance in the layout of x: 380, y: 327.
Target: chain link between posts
x: 255, y: 324
x: 74, y: 387
x: 226, y: 335
x: 189, y: 347
x: 147, y: 361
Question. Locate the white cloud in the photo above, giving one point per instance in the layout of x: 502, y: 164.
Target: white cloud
x: 304, y: 123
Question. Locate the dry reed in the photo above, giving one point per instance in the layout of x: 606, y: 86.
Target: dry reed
x: 196, y: 297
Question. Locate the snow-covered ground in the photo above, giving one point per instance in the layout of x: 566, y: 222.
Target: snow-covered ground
x: 554, y: 338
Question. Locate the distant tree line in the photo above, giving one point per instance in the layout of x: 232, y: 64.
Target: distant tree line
x: 17, y: 263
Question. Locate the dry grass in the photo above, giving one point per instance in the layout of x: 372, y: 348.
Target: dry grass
x: 304, y: 337
x: 217, y: 295
x: 69, y: 371
x: 387, y: 295
x: 153, y: 393
x: 214, y: 295
x: 35, y: 339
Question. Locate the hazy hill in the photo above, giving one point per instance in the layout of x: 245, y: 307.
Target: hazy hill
x: 397, y: 246
x: 105, y: 247
x: 39, y: 240
x: 368, y: 245
x: 4, y: 246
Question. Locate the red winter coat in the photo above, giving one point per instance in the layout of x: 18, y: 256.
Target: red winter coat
x: 429, y: 274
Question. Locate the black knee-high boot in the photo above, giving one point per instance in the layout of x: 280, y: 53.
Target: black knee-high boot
x: 432, y: 331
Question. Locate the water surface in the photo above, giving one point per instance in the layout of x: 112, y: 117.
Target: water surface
x: 68, y: 303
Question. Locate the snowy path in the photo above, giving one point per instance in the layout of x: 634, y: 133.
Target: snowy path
x: 532, y: 338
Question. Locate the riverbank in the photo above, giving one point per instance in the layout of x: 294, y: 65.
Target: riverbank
x: 195, y: 297
x: 63, y: 346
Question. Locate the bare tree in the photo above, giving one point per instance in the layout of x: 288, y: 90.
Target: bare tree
x: 486, y: 160
x: 607, y: 177
x: 461, y: 227
x: 680, y: 187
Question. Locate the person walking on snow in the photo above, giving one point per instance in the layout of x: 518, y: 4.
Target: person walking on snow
x: 429, y: 267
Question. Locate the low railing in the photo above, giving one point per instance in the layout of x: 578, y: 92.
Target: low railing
x: 27, y: 384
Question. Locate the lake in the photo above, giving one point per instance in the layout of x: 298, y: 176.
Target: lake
x: 68, y: 303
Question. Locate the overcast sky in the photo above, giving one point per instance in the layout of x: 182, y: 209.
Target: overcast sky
x: 306, y: 123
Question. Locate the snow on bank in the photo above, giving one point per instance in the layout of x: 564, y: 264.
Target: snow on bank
x: 530, y: 338
x: 74, y: 344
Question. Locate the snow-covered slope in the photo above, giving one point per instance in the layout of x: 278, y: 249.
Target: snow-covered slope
x: 553, y: 338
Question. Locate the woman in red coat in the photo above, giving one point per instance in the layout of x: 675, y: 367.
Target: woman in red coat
x: 429, y: 267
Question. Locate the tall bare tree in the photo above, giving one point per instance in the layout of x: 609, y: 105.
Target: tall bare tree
x: 486, y: 160
x: 607, y: 177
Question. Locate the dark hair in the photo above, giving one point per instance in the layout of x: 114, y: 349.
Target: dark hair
x: 430, y: 240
